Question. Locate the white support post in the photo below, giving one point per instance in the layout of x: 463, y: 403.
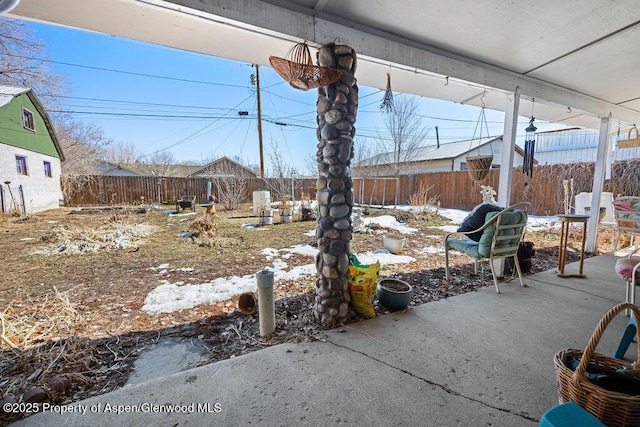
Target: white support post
x: 598, y: 182
x: 610, y: 154
x: 508, y: 147
x: 506, y: 159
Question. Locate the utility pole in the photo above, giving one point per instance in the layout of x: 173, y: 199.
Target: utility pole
x: 259, y: 120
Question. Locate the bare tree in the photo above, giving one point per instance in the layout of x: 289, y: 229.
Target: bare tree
x: 83, y: 146
x: 231, y: 184
x: 160, y: 164
x: 405, y: 129
x: 311, y: 164
x: 21, y: 62
x: 121, y: 152
x: 281, y: 180
x: 367, y: 158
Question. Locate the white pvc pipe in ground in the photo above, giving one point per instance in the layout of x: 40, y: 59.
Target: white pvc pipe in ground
x: 266, y: 307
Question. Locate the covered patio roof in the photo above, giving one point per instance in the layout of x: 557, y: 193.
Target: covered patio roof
x: 576, y: 59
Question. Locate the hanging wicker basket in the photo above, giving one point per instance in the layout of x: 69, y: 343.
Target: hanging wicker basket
x: 630, y: 142
x: 478, y: 166
x: 298, y: 70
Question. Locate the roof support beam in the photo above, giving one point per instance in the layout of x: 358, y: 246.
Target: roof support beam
x: 508, y: 148
x: 317, y: 27
x: 598, y: 183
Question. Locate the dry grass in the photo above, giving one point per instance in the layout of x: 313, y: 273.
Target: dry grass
x: 47, y: 319
x: 98, y: 262
x: 73, y: 285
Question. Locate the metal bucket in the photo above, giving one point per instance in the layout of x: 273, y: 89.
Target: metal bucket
x: 286, y: 215
x: 266, y: 217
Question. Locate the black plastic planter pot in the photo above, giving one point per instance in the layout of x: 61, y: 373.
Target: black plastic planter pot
x: 394, y: 293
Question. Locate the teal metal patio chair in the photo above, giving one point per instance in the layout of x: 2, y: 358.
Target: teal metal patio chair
x: 569, y: 414
x: 502, y: 233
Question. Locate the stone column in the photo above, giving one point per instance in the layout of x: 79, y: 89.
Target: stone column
x: 337, y: 107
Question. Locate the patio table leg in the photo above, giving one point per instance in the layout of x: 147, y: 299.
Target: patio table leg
x: 563, y: 246
x: 565, y: 222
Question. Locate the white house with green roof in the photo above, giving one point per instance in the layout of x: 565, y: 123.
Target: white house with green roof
x: 30, y: 153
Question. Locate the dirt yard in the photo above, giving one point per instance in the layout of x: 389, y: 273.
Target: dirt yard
x: 73, y: 286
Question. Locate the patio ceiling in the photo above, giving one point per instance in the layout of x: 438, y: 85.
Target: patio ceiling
x: 577, y: 59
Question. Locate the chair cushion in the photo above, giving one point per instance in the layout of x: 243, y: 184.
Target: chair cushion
x: 476, y: 219
x: 466, y: 246
x: 627, y: 212
x: 507, y: 218
x: 624, y: 267
x: 627, y: 205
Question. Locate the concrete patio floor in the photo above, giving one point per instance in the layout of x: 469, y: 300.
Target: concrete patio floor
x: 477, y: 359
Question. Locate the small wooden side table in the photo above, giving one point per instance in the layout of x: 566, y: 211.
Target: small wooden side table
x: 565, y: 221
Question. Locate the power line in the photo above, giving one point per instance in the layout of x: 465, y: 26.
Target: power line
x: 199, y: 82
x: 363, y: 132
x: 164, y: 116
x: 361, y: 111
x: 285, y: 98
x: 255, y: 101
x: 134, y: 102
x: 187, y: 138
x: 196, y: 132
x: 225, y: 139
x: 131, y: 73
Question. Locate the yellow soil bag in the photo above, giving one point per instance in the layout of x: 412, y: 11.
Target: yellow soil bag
x: 362, y: 285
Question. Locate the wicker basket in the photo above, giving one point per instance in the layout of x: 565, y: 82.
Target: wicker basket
x: 299, y: 70
x: 478, y: 166
x: 612, y: 408
x: 630, y: 142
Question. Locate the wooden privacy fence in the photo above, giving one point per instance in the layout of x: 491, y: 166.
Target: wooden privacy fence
x: 458, y: 190
x: 92, y: 190
x: 545, y: 190
x: 97, y: 190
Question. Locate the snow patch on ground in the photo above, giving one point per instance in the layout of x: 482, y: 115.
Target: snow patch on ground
x: 388, y: 221
x: 169, y: 297
x: 432, y: 250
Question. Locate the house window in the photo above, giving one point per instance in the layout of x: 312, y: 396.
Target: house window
x: 21, y: 165
x: 27, y: 120
x: 47, y: 169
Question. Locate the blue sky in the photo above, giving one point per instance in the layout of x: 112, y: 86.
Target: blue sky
x: 163, y: 99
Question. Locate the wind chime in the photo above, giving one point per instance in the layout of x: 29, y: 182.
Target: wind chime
x: 387, y: 101
x: 478, y: 165
x: 529, y: 146
x: 298, y: 69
